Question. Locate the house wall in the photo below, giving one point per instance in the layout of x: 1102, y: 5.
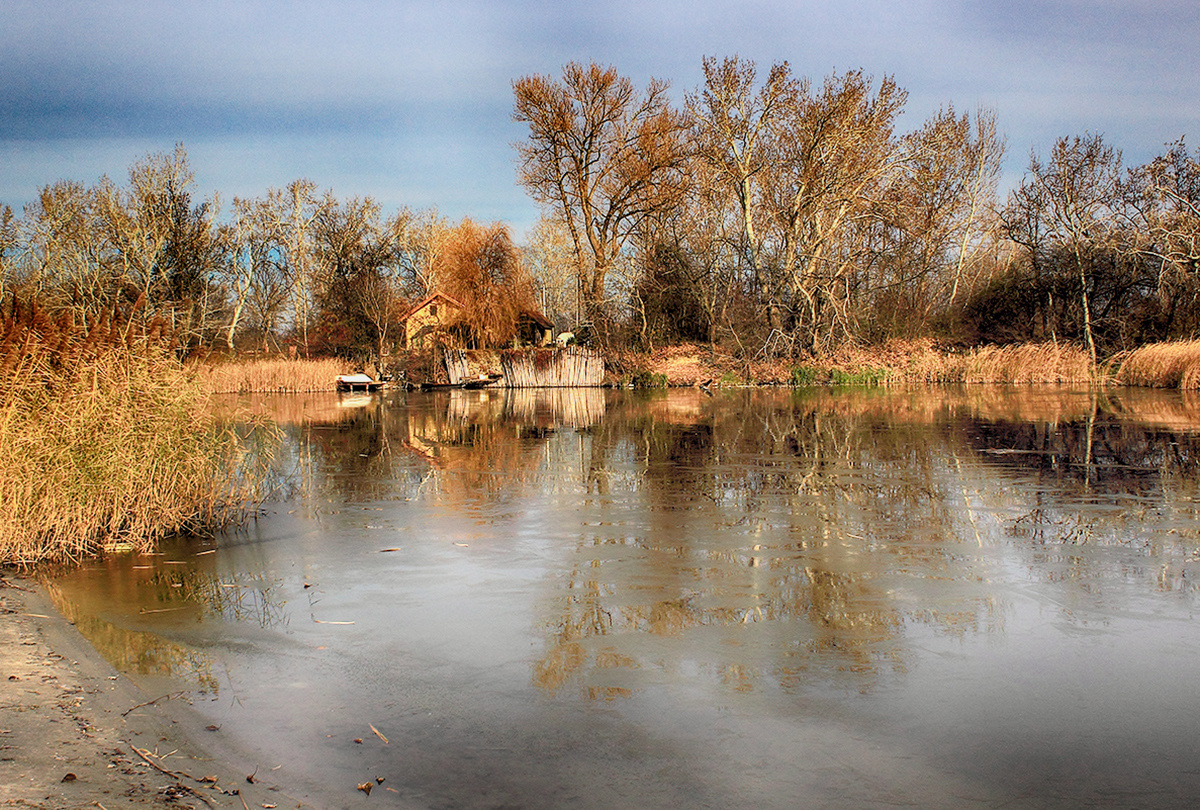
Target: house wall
x: 423, y: 322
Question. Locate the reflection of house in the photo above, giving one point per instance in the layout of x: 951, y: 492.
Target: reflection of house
x: 431, y: 314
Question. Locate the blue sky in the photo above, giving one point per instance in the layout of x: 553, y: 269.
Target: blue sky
x: 410, y: 102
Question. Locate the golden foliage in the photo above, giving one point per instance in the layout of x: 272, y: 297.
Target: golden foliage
x: 481, y: 268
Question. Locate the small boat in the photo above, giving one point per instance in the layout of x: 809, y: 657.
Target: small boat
x: 357, y: 382
x: 482, y: 381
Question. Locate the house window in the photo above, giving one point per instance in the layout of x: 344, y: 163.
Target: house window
x: 433, y: 310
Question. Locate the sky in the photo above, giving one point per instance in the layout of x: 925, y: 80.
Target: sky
x: 410, y: 101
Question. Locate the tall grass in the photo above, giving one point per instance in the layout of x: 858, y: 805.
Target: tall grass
x: 270, y: 375
x: 1030, y: 363
x: 1160, y: 365
x: 105, y: 441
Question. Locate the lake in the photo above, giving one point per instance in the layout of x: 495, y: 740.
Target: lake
x: 952, y: 597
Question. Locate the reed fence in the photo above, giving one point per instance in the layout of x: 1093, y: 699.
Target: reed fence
x: 570, y: 367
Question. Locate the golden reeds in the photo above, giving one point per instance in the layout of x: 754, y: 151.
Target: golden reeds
x: 104, y: 439
x: 1030, y: 363
x: 270, y: 375
x: 1160, y: 365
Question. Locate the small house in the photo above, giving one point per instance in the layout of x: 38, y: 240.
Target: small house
x: 434, y: 313
x: 534, y: 329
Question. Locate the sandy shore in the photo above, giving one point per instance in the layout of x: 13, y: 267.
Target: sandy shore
x: 74, y: 733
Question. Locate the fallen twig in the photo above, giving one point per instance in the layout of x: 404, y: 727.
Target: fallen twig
x: 145, y: 755
x: 152, y: 702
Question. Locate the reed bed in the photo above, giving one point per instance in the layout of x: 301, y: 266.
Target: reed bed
x: 1025, y: 364
x: 1160, y: 365
x: 270, y: 375
x: 105, y: 441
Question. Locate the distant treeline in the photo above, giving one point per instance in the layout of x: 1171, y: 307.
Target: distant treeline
x: 767, y: 214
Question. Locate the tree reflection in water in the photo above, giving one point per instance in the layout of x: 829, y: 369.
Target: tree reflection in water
x: 838, y: 522
x: 754, y: 539
x: 947, y: 597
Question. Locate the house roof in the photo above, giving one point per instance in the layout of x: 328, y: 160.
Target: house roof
x: 429, y: 299
x: 538, y: 318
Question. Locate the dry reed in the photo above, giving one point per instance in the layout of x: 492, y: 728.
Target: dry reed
x: 270, y: 375
x: 105, y: 440
x: 1160, y: 365
x: 1032, y: 363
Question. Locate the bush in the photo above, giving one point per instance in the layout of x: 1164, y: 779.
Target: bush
x: 648, y: 379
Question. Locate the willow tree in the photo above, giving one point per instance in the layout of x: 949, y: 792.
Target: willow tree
x: 602, y: 157
x: 481, y: 268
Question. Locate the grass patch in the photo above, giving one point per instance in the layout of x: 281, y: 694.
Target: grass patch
x: 859, y: 377
x: 803, y: 376
x: 106, y: 441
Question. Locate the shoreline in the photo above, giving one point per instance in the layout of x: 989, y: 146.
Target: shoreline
x: 76, y: 733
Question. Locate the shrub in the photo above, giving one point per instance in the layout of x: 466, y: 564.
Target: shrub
x: 805, y: 376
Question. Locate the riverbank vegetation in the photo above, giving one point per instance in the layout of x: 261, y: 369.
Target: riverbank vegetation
x: 771, y: 217
x: 782, y: 222
x: 105, y: 440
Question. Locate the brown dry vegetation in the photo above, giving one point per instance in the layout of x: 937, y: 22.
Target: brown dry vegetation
x: 897, y: 362
x: 1160, y: 365
x: 277, y: 375
x: 104, y: 439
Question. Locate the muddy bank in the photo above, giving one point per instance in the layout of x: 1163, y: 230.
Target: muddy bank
x: 75, y: 733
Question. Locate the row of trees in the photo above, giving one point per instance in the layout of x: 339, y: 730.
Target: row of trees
x: 327, y: 275
x: 776, y: 214
x: 766, y: 212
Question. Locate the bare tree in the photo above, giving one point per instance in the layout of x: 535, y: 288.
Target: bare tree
x: 737, y: 132
x: 1071, y: 201
x: 601, y: 157
x: 550, y: 259
x: 293, y: 211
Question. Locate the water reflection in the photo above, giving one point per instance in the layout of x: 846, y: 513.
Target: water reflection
x: 898, y: 566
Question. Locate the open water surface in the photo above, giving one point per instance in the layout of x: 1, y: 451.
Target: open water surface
x: 974, y: 597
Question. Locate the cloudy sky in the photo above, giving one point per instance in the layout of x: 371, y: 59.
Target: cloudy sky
x: 410, y: 101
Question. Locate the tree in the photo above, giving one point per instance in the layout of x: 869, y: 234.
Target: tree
x: 550, y: 260
x: 601, y: 157
x: 357, y: 294
x: 481, y: 268
x: 933, y: 217
x: 9, y: 242
x: 837, y: 154
x: 1071, y: 202
x: 737, y: 129
x: 292, y: 213
x: 1164, y: 199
